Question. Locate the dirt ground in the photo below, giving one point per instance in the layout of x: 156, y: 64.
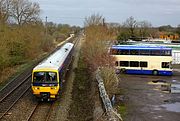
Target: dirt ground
x: 147, y: 101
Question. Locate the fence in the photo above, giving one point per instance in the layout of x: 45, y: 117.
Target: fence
x: 112, y: 115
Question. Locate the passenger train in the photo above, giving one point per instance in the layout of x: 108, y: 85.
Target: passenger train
x: 48, y: 76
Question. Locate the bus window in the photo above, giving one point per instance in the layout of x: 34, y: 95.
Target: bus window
x: 144, y: 52
x: 116, y: 63
x: 119, y: 52
x: 155, y: 52
x: 114, y: 51
x: 124, y: 52
x: 134, y: 52
x: 124, y: 63
x: 165, y: 65
x: 134, y: 64
x: 143, y: 64
x: 166, y: 52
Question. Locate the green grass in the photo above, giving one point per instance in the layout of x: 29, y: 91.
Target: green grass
x: 21, y: 68
x: 122, y: 109
x: 82, y: 104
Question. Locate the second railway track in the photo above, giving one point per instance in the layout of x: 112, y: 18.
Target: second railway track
x: 11, y: 98
x: 14, y: 91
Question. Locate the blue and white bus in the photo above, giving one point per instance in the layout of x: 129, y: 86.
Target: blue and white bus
x: 133, y: 59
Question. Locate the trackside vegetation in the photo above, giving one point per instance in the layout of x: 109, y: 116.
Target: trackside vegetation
x: 98, y: 37
x: 82, y: 104
x: 24, y: 36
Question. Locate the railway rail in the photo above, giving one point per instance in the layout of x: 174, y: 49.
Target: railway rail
x: 17, y: 88
x: 43, y: 110
x: 10, y: 99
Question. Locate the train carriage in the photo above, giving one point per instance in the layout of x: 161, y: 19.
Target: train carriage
x: 48, y: 76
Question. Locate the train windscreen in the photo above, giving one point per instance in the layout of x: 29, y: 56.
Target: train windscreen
x: 45, y: 77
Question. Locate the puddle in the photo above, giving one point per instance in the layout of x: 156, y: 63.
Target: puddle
x: 174, y: 107
x: 173, y: 87
x: 159, y: 81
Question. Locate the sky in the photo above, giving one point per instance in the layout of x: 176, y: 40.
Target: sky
x: 73, y: 12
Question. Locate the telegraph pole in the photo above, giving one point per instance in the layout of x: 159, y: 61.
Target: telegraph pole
x: 46, y: 28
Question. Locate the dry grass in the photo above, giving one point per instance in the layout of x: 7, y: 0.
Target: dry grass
x: 110, y: 80
x: 6, y: 73
x: 95, y: 47
x: 95, y: 50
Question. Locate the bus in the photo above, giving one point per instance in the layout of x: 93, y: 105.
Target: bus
x: 151, y: 60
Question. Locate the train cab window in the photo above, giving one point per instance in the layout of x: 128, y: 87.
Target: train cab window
x: 134, y: 64
x: 165, y: 65
x: 39, y: 77
x: 124, y: 63
x: 45, y: 77
x: 134, y: 52
x: 51, y: 76
x: 143, y: 64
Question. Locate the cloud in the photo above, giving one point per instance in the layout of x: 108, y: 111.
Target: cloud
x: 155, y: 11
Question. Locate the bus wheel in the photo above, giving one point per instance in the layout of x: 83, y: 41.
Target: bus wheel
x: 118, y: 71
x: 155, y: 72
x: 123, y: 70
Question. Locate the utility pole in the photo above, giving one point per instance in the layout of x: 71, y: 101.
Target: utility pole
x: 46, y: 28
x: 103, y: 21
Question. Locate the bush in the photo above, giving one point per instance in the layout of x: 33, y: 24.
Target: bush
x: 110, y: 80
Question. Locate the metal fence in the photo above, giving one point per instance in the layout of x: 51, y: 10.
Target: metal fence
x: 112, y: 115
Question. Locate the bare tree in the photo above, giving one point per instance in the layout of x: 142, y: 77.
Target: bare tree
x: 131, y: 25
x: 178, y: 29
x: 4, y: 10
x: 94, y: 19
x: 24, y: 11
x: 144, y: 27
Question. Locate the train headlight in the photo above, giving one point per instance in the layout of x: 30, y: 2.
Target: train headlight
x: 53, y: 87
x: 36, y: 88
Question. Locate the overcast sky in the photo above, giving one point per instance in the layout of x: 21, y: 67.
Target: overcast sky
x: 73, y: 12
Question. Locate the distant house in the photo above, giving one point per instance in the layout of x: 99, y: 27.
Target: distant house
x: 167, y: 36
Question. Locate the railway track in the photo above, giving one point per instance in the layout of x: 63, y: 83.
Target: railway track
x: 42, y: 111
x: 15, y: 89
x: 10, y: 99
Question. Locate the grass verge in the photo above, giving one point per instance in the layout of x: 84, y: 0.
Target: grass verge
x: 81, y: 108
x: 13, y: 72
x: 122, y: 109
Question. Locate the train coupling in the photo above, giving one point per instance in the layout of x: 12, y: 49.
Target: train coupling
x: 45, y: 95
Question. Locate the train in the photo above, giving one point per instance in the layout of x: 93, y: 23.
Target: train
x: 48, y: 76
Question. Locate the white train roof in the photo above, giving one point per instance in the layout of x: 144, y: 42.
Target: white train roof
x: 55, y: 61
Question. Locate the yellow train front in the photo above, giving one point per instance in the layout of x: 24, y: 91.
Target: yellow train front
x: 45, y: 84
x: 48, y: 76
